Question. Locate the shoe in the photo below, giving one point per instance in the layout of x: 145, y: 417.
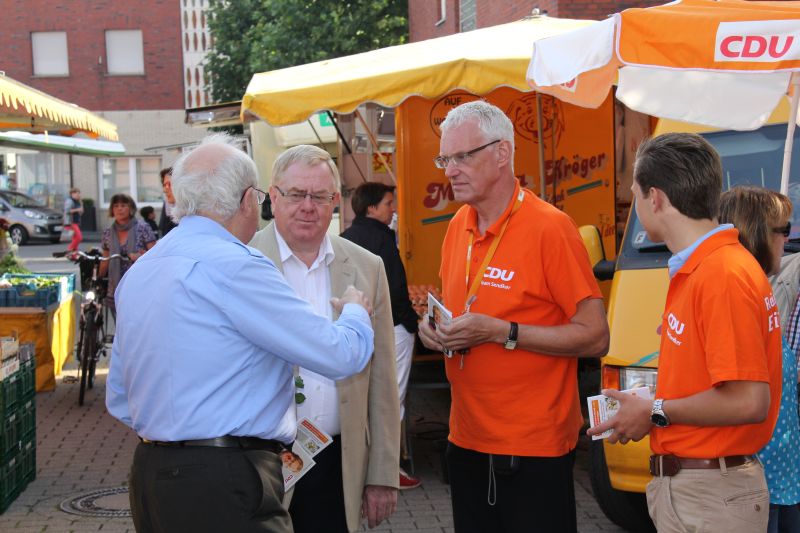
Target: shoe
x: 408, y: 482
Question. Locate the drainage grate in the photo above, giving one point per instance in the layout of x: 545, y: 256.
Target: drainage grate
x: 105, y: 503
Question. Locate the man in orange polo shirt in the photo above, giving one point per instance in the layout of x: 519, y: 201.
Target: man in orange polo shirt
x: 517, y: 278
x: 719, y: 375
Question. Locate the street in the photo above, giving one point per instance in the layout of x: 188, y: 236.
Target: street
x: 83, y: 457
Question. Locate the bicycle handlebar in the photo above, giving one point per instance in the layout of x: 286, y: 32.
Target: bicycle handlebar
x: 76, y: 255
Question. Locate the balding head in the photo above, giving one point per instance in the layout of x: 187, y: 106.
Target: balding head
x: 211, y: 179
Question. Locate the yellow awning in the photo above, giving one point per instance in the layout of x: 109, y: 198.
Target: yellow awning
x: 476, y: 61
x: 25, y: 108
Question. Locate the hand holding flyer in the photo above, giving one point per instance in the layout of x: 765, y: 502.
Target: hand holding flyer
x: 438, y: 315
x: 601, y: 408
x: 309, y: 442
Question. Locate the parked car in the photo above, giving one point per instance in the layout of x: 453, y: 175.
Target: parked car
x: 29, y: 218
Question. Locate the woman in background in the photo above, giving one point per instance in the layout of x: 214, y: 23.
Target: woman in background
x: 763, y: 218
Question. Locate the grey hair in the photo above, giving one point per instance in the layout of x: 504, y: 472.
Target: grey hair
x: 492, y: 122
x: 212, y: 178
x: 308, y: 155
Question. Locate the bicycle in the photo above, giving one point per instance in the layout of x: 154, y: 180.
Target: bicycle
x: 93, y: 338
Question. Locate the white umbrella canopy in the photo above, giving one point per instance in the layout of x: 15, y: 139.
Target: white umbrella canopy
x: 725, y: 64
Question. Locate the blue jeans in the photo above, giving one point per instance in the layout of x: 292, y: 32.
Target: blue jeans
x: 783, y: 519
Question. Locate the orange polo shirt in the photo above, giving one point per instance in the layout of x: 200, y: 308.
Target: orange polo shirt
x: 720, y: 324
x: 517, y: 402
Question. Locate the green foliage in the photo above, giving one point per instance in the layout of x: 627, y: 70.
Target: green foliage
x: 10, y: 264
x: 252, y: 36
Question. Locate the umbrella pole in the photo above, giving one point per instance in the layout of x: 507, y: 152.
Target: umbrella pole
x: 792, y: 122
x: 540, y: 133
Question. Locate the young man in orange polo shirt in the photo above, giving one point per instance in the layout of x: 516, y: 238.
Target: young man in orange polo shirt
x: 719, y: 376
x: 517, y: 278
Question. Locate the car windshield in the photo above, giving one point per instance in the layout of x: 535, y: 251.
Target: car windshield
x: 17, y: 199
x: 748, y: 158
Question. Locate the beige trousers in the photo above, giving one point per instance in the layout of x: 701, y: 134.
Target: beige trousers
x: 730, y: 500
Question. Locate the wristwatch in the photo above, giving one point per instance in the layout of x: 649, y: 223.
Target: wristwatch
x: 511, y: 341
x: 657, y: 416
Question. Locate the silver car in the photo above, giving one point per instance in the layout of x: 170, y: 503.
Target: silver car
x: 30, y: 219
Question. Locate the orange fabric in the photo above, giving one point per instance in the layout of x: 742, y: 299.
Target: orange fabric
x: 720, y: 324
x: 693, y: 36
x: 517, y: 402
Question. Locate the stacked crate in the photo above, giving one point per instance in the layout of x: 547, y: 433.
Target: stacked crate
x: 17, y: 419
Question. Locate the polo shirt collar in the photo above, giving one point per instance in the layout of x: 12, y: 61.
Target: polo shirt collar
x: 325, y: 255
x: 494, y: 229
x: 724, y: 237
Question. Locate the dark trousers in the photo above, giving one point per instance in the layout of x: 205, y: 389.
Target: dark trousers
x: 318, y: 499
x: 538, y: 497
x: 207, y: 490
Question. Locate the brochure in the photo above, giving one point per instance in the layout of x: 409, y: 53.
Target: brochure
x: 601, y: 408
x: 310, y: 440
x: 438, y: 314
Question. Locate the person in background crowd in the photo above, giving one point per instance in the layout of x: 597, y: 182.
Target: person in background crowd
x: 515, y: 413
x: 373, y: 204
x: 149, y: 216
x: 357, y: 475
x: 719, y: 376
x: 126, y: 236
x: 201, y: 367
x: 166, y: 224
x: 763, y: 218
x: 73, y: 209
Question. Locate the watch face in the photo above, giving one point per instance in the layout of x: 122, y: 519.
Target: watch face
x: 659, y: 420
x: 510, y: 345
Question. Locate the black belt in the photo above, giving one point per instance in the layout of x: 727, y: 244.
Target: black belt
x: 228, y: 441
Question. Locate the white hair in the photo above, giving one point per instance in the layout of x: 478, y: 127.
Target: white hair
x: 305, y: 154
x: 492, y: 122
x: 212, y: 178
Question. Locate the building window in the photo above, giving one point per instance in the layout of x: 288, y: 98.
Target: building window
x: 50, y: 57
x: 466, y: 11
x: 137, y: 177
x: 124, y: 52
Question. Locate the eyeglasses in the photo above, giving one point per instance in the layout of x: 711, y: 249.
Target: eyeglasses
x: 459, y: 159
x: 260, y: 195
x: 296, y: 197
x: 786, y: 230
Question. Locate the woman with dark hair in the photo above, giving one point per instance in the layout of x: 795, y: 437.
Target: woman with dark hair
x: 763, y: 218
x: 126, y: 236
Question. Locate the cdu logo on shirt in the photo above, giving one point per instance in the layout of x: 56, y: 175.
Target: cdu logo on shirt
x: 494, y: 277
x: 676, y: 328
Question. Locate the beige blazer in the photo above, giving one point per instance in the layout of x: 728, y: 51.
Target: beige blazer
x: 369, y: 408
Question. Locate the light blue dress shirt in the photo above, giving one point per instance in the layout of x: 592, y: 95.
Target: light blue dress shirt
x: 677, y: 261
x: 207, y: 333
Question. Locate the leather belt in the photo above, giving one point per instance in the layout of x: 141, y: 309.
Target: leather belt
x: 669, y: 465
x: 228, y: 441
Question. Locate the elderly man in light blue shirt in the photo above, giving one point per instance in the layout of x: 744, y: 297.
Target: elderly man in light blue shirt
x: 196, y: 370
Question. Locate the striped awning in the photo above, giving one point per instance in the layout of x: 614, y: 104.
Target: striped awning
x: 27, y: 109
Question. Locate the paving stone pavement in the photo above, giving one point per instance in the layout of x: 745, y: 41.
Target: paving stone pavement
x: 81, y: 449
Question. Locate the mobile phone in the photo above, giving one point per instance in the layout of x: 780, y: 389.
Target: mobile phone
x: 505, y: 465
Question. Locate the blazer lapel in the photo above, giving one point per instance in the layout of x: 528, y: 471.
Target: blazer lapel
x: 342, y: 272
x: 271, y: 246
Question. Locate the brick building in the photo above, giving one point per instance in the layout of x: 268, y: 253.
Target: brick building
x: 135, y: 63
x: 435, y: 18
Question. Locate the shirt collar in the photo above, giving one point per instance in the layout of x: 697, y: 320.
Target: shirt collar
x: 677, y: 261
x: 199, y: 223
x: 494, y: 229
x: 325, y: 254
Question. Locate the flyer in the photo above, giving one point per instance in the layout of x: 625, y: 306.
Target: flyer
x: 438, y: 314
x: 601, y: 408
x: 310, y: 440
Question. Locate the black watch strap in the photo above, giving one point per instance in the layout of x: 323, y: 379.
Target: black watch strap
x: 512, y: 334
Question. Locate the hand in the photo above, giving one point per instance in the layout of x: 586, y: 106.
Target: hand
x: 351, y: 295
x: 378, y: 503
x: 428, y: 335
x: 632, y: 421
x: 471, y: 329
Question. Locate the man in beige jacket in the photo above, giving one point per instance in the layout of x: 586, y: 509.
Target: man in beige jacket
x: 357, y: 476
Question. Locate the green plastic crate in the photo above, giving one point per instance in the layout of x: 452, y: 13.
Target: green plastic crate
x: 9, y: 394
x: 27, y: 416
x: 9, y: 482
x: 26, y: 388
x: 10, y: 428
x: 27, y: 469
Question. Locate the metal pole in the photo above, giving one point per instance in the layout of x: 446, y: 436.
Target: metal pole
x: 791, y: 123
x: 540, y: 134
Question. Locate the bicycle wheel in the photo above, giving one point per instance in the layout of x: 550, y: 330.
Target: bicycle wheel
x: 99, y: 347
x: 89, y: 340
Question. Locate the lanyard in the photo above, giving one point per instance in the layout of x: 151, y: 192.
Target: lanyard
x: 476, y: 282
